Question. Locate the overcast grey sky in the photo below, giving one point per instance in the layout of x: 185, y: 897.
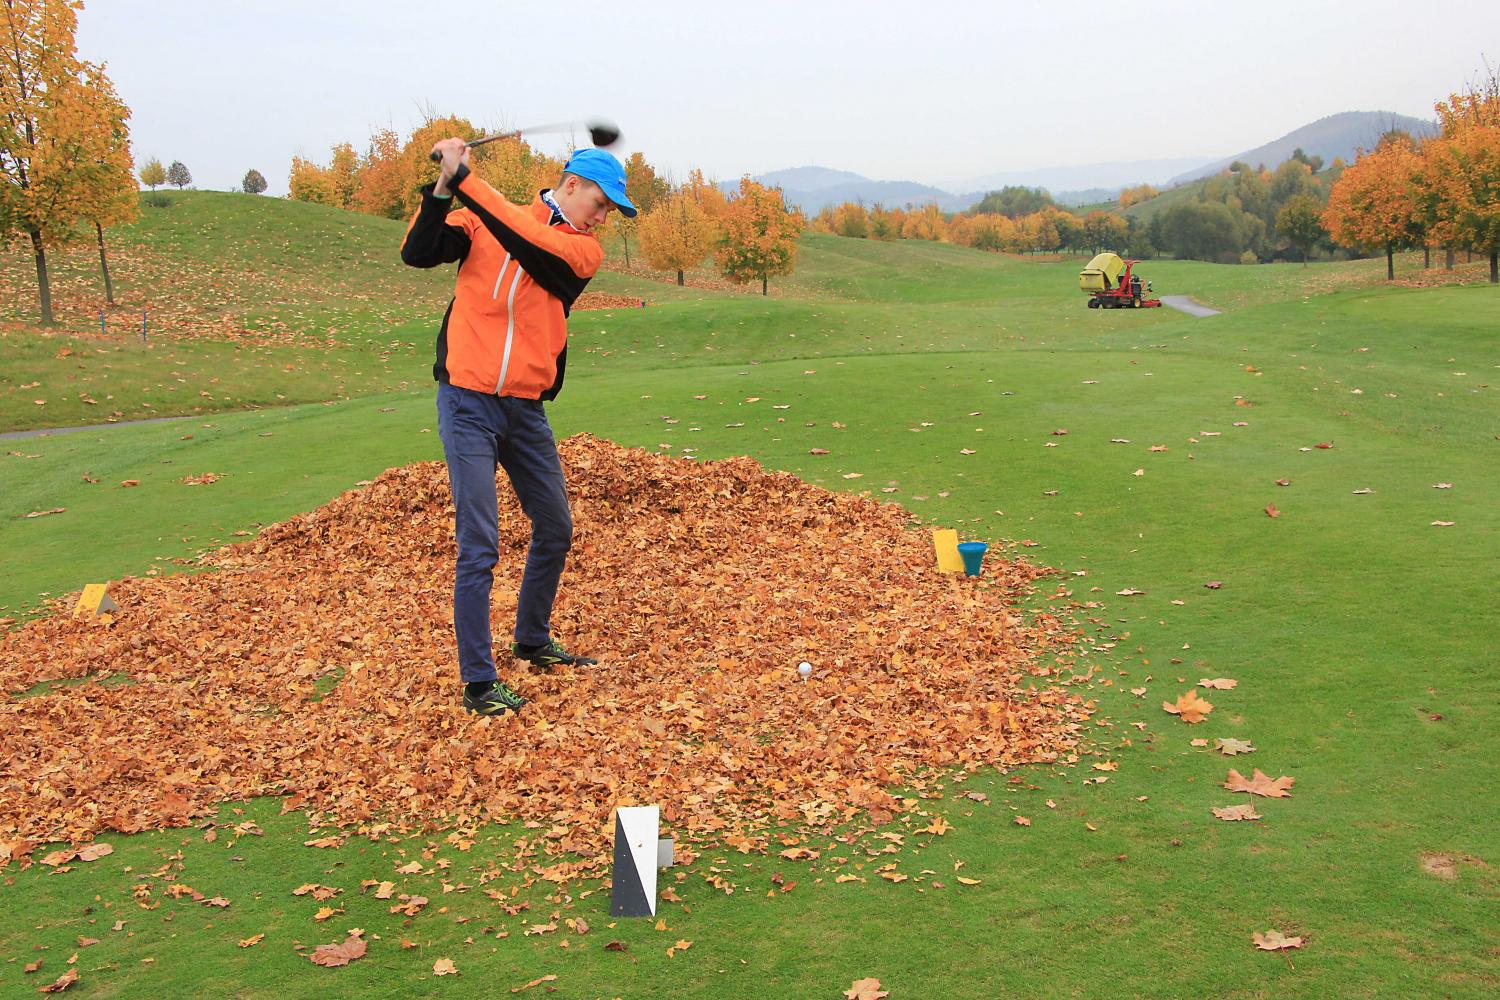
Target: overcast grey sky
x: 935, y: 93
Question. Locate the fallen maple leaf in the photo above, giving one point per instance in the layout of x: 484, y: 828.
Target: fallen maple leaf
x: 63, y: 982
x: 1231, y: 813
x: 1271, y: 510
x: 1189, y: 707
x: 1022, y: 821
x: 1260, y: 784
x: 535, y: 982
x: 865, y: 989
x: 1130, y: 592
x: 963, y: 880
x: 44, y: 513
x: 252, y: 941
x: 95, y: 851
x: 326, y: 912
x: 444, y: 967
x: 1230, y: 747
x: 1274, y: 940
x: 335, y: 955
x: 1222, y: 683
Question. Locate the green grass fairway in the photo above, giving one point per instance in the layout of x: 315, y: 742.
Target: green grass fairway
x: 1359, y: 632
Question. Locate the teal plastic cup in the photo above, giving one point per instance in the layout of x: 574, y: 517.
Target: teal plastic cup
x: 973, y: 556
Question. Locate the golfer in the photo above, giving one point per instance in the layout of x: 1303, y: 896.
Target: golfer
x: 501, y: 352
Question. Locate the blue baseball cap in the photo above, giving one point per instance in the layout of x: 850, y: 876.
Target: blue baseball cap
x: 604, y: 170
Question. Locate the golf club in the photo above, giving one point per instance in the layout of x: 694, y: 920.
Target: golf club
x: 601, y: 133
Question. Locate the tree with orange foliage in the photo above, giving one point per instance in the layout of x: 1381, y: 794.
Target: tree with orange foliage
x: 758, y: 236
x: 1374, y: 203
x: 1461, y: 172
x: 644, y: 189
x: 709, y: 196
x: 378, y: 191
x: 676, y: 234
x: 926, y: 223
x: 55, y: 132
x: 1135, y: 195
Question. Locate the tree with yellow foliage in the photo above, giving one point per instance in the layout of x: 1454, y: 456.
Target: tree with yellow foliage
x: 109, y: 196
x: 55, y: 132
x: 153, y: 174
x: 676, y: 234
x: 758, y: 236
x: 1374, y: 204
x: 311, y: 183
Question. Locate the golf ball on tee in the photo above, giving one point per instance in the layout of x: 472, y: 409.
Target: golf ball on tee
x: 805, y: 669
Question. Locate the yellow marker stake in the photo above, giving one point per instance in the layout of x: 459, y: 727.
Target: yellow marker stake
x: 945, y: 541
x: 94, y: 602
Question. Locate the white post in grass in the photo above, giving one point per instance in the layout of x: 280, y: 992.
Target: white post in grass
x: 639, y: 851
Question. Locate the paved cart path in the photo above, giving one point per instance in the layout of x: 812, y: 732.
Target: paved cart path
x: 1183, y: 303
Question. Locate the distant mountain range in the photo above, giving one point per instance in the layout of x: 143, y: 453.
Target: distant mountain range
x: 1341, y: 135
x: 813, y: 188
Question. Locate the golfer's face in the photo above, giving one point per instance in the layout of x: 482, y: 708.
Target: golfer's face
x: 588, y: 206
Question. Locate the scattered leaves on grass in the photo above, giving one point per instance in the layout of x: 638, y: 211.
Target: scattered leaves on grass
x: 679, y: 946
x: 200, y: 480
x: 1189, y: 707
x: 1229, y: 746
x: 1233, y: 813
x: 1274, y: 940
x: 252, y: 941
x: 63, y: 982
x: 865, y: 989
x: 1260, y: 784
x: 95, y: 851
x: 1220, y: 683
x: 444, y: 967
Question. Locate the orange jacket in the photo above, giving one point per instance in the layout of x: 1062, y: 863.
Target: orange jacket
x: 505, y: 331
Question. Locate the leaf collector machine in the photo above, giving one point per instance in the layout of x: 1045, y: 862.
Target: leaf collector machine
x: 1111, y: 285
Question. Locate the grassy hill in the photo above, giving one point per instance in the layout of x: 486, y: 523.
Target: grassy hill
x: 1353, y: 622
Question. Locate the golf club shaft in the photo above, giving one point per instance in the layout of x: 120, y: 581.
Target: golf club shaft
x: 512, y: 134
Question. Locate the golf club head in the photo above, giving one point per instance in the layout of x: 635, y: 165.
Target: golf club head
x: 603, y: 133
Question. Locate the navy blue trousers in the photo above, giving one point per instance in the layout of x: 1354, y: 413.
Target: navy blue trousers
x: 482, y: 433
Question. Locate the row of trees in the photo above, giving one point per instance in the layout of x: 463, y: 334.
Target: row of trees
x: 65, y: 164
x: 1013, y: 220
x: 751, y: 233
x: 1444, y: 192
x: 153, y: 175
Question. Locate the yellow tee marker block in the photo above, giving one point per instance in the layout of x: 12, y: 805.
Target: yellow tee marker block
x: 945, y: 541
x: 95, y: 603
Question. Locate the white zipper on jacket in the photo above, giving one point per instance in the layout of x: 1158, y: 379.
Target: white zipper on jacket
x: 510, y: 327
x: 503, y: 265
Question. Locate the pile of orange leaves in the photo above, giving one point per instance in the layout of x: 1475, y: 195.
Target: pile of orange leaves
x: 317, y: 663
